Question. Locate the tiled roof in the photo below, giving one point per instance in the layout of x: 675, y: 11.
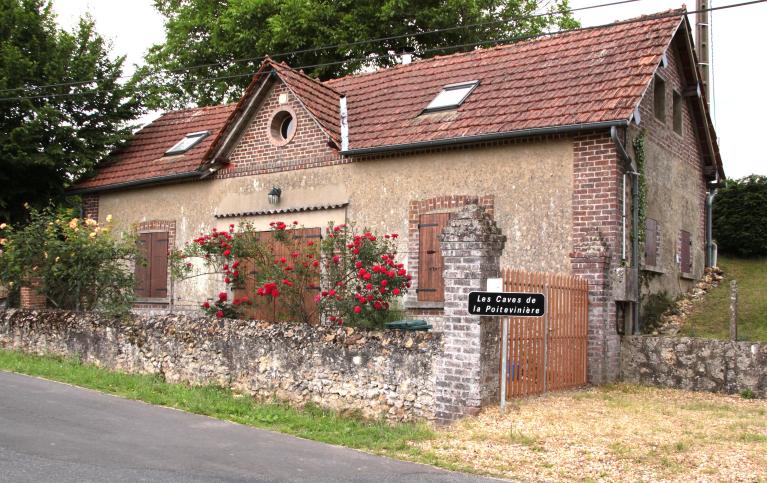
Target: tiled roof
x: 321, y: 100
x: 144, y: 156
x: 580, y: 77
x: 584, y: 76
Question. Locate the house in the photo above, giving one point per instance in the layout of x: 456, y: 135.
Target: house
x: 540, y: 133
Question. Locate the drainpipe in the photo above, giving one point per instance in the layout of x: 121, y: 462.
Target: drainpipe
x: 631, y: 170
x: 709, y: 225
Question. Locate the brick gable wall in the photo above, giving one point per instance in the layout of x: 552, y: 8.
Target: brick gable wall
x: 256, y: 154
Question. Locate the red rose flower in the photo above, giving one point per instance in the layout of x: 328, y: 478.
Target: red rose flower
x: 357, y: 309
x: 395, y: 291
x: 222, y: 296
x: 227, y: 252
x: 205, y: 305
x: 220, y: 314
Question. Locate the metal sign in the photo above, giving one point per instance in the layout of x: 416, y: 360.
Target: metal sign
x: 507, y: 304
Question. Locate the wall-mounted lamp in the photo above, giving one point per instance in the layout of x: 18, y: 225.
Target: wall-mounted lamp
x: 274, y: 195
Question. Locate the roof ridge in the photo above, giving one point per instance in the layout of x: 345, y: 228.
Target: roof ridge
x: 670, y: 13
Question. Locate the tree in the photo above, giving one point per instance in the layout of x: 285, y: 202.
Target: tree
x: 217, y: 35
x: 740, y: 217
x: 52, y: 136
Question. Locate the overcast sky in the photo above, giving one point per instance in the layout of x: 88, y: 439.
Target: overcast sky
x: 738, y: 67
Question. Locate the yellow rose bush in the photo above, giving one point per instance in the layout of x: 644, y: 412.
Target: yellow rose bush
x: 80, y: 265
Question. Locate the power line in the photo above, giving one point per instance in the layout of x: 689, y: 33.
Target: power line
x: 436, y: 49
x: 333, y: 46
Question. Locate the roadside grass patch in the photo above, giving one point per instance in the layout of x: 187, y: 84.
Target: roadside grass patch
x: 615, y: 432
x: 311, y: 422
x: 711, y: 319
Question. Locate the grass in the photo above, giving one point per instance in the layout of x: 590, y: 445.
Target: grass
x: 711, y: 319
x: 311, y: 422
x: 613, y: 432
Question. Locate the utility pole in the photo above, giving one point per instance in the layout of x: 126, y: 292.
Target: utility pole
x: 703, y: 31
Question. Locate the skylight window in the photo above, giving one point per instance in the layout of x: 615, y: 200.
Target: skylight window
x: 189, y: 141
x: 451, y: 96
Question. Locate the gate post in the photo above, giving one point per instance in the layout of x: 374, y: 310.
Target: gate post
x: 467, y: 374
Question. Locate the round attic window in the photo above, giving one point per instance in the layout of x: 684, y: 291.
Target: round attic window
x: 282, y: 127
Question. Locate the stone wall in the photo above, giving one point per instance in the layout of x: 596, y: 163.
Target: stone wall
x: 695, y: 364
x: 378, y: 373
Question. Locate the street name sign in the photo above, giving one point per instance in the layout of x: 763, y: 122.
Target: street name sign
x: 507, y: 304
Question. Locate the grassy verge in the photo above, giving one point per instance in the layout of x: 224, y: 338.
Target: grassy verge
x: 310, y: 423
x: 712, y: 318
x: 616, y: 432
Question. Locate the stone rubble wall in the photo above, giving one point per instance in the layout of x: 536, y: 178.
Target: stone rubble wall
x: 387, y: 374
x: 695, y: 364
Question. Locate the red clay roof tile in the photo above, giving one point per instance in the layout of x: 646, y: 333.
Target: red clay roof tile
x: 590, y: 75
x: 584, y: 76
x: 144, y: 156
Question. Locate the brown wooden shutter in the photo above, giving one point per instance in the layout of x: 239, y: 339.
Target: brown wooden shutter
x: 685, y: 252
x: 431, y: 287
x: 144, y: 243
x: 650, y: 242
x: 158, y: 267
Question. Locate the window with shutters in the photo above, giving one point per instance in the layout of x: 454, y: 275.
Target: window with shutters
x: 431, y: 286
x: 651, y: 242
x: 152, y: 266
x: 685, y: 252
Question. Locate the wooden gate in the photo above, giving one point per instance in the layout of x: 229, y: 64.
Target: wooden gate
x: 550, y: 352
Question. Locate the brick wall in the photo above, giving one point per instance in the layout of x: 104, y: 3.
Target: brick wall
x: 31, y: 298
x: 597, y: 196
x: 91, y: 206
x: 467, y: 374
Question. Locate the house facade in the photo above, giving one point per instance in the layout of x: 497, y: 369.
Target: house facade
x: 540, y: 133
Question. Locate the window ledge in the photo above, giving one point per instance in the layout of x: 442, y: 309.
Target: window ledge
x: 687, y: 276
x: 420, y: 304
x: 150, y: 300
x: 653, y: 269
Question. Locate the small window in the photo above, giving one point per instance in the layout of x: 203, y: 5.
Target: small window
x: 282, y: 127
x: 189, y: 141
x: 451, y: 96
x: 659, y: 99
x: 677, y: 113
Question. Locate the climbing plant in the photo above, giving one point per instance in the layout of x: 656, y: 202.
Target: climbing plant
x: 639, y: 152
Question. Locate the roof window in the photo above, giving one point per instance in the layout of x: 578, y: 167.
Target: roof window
x: 451, y: 96
x: 189, y: 141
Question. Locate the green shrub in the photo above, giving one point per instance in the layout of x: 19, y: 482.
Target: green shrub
x: 654, y: 306
x: 740, y: 217
x: 77, y: 261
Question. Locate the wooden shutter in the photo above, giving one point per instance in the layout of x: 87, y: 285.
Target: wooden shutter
x: 152, y: 265
x: 685, y: 252
x: 431, y: 287
x: 144, y: 243
x: 650, y: 242
x: 158, y: 267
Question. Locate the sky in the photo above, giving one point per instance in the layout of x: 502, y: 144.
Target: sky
x: 739, y: 99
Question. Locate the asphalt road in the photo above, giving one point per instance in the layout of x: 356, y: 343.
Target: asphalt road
x: 55, y: 432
